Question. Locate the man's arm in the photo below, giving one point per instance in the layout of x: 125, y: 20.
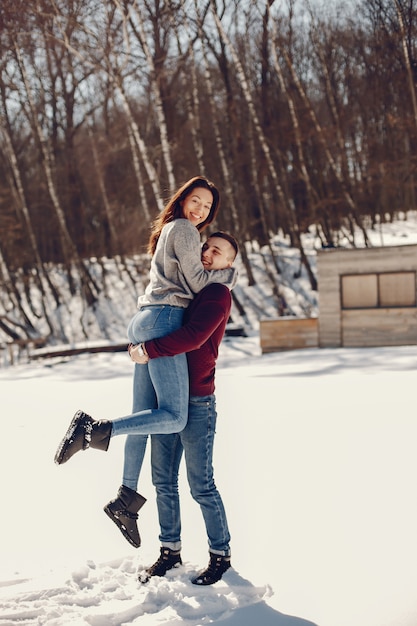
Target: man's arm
x: 211, y: 306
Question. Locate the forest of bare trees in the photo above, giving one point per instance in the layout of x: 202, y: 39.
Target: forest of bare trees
x: 303, y: 114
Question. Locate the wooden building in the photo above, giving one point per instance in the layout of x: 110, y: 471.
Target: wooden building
x: 367, y: 297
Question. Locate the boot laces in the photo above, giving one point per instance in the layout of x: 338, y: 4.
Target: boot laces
x: 125, y: 513
x: 164, y: 561
x: 158, y: 563
x: 88, y: 429
x: 216, y: 563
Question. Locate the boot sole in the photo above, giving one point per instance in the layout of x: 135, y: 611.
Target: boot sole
x: 62, y: 448
x: 121, y: 527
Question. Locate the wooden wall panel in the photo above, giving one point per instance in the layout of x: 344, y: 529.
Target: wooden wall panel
x: 379, y: 327
x: 288, y: 334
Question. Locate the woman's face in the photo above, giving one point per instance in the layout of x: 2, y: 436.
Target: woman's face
x: 196, y: 206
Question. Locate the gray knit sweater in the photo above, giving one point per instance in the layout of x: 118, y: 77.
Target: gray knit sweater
x: 177, y: 273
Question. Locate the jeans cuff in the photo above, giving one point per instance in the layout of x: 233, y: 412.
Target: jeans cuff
x: 220, y: 552
x: 172, y: 545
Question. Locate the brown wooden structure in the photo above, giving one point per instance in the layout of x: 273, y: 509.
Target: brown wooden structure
x: 367, y: 297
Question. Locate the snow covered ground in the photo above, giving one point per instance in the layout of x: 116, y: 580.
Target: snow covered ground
x: 315, y: 458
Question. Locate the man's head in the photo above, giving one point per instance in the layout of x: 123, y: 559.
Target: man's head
x: 219, y: 251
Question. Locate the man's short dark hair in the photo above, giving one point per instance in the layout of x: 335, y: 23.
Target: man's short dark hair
x: 223, y: 235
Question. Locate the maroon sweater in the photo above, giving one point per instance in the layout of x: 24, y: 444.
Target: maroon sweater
x: 204, y: 325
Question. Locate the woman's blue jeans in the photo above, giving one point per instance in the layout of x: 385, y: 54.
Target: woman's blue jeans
x: 160, y: 389
x: 196, y: 441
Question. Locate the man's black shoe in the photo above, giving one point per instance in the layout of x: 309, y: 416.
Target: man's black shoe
x: 217, y: 566
x: 167, y: 560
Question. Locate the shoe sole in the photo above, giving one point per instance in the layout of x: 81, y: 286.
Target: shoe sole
x: 62, y: 448
x: 121, y: 527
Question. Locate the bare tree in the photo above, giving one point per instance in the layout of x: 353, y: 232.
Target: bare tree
x: 311, y: 195
x: 258, y: 130
x: 221, y: 151
x: 133, y: 13
x: 70, y: 251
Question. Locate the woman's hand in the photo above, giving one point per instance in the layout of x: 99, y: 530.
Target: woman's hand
x: 137, y: 354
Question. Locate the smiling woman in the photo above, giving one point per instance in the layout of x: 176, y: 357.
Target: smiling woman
x: 196, y: 206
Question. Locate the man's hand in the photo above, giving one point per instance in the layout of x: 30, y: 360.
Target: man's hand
x: 137, y: 355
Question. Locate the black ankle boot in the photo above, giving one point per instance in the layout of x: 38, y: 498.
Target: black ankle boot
x: 123, y: 510
x: 83, y: 433
x: 167, y: 560
x: 217, y: 566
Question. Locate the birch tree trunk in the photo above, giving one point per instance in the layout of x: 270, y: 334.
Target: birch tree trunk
x: 70, y: 252
x: 104, y: 63
x: 193, y: 105
x: 259, y: 134
x: 192, y: 101
x: 249, y: 101
x: 222, y: 157
x: 311, y: 195
x: 332, y: 101
x: 13, y: 296
x: 321, y: 137
x: 411, y: 84
x: 407, y: 61
x: 136, y: 139
x: 19, y: 193
x: 112, y: 239
x: 133, y: 14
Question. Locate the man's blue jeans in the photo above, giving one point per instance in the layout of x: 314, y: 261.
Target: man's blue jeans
x: 196, y: 441
x: 160, y: 389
